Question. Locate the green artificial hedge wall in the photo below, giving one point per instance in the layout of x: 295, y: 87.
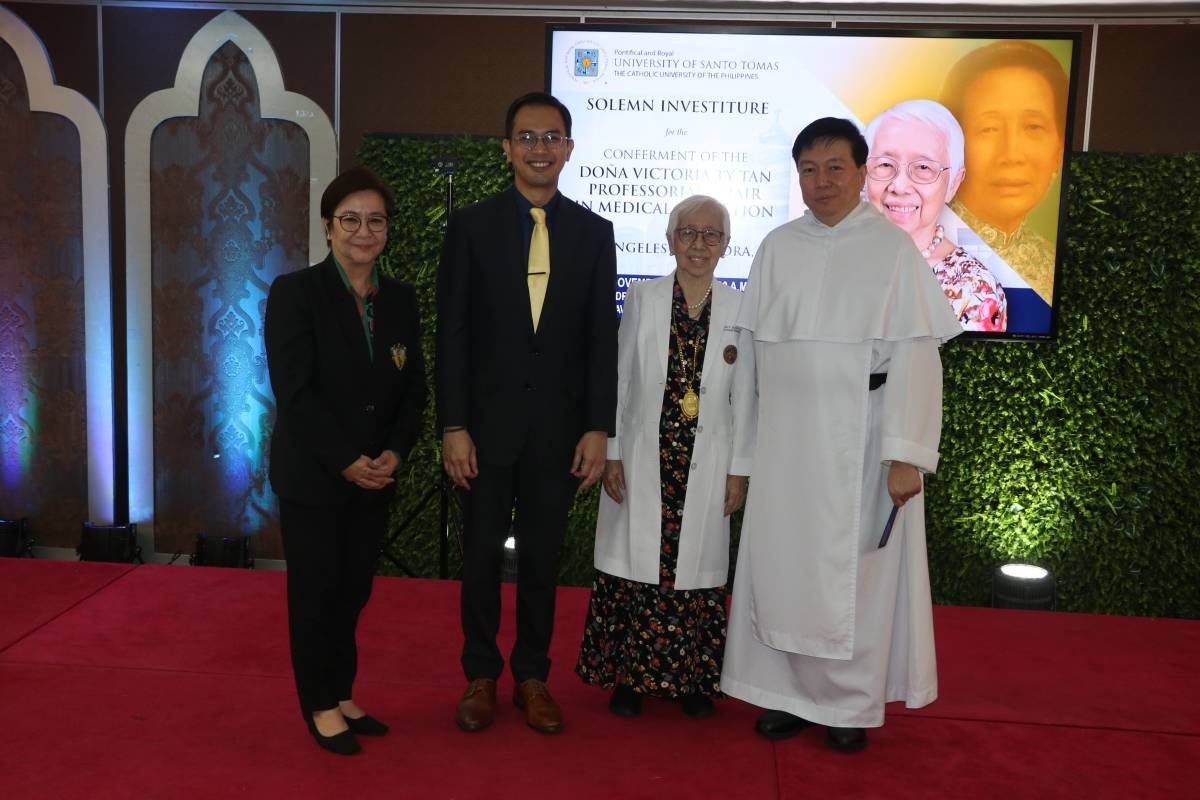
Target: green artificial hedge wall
x: 1081, y: 454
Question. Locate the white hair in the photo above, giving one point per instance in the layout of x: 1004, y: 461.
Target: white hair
x: 930, y: 113
x: 695, y: 203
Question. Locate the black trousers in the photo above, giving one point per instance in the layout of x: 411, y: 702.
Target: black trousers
x: 331, y: 553
x: 532, y: 497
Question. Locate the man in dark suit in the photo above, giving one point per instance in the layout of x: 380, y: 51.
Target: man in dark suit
x: 526, y: 381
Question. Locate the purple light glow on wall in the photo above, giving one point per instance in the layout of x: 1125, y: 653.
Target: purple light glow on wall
x: 18, y: 406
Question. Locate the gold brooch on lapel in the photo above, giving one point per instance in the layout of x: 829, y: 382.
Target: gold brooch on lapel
x: 730, y: 354
x: 399, y: 355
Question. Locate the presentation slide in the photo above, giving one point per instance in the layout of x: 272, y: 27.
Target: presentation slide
x: 664, y: 113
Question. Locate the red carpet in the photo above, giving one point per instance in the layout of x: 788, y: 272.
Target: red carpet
x: 173, y: 682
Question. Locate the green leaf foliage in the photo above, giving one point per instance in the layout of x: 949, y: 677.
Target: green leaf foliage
x: 1080, y: 454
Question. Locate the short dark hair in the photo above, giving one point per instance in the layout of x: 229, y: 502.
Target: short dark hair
x: 536, y: 99
x: 832, y: 129
x: 1001, y: 54
x: 356, y: 179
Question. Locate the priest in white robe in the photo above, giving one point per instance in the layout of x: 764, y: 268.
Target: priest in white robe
x: 826, y: 624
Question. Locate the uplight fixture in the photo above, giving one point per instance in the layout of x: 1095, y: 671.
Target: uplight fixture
x: 1026, y: 586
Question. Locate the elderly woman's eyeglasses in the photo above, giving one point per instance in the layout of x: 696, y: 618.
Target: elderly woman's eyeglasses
x: 529, y: 140
x: 352, y: 222
x: 710, y: 236
x: 883, y: 168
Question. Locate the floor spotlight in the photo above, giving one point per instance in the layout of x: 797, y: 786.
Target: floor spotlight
x: 14, y: 538
x: 110, y: 543
x: 508, y: 567
x: 1025, y: 586
x: 226, y: 551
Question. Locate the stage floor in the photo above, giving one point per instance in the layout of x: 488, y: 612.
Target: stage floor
x: 174, y: 682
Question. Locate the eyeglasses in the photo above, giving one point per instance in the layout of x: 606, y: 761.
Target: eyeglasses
x: 530, y: 140
x: 350, y: 223
x: 883, y: 168
x: 710, y: 236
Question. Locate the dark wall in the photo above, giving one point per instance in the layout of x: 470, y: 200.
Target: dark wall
x: 1145, y: 95
x: 433, y: 74
x: 69, y: 36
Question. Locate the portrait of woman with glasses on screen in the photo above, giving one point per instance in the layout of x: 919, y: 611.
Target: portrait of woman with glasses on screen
x: 914, y: 168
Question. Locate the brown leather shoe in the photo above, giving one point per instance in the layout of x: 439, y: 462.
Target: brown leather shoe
x: 541, y: 712
x: 474, y: 711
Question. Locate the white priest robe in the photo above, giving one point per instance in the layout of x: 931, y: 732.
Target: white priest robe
x: 824, y: 623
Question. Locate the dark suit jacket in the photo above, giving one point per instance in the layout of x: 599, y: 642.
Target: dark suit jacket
x: 506, y: 384
x: 333, y: 403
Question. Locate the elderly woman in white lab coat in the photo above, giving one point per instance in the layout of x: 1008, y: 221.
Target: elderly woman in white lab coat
x: 677, y: 468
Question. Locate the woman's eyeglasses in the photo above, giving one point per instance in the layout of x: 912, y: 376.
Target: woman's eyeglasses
x: 883, y: 168
x: 710, y: 236
x: 352, y: 222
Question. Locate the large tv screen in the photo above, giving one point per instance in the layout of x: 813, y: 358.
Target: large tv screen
x: 967, y: 135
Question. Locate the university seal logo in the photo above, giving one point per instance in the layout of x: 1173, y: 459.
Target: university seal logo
x: 587, y: 62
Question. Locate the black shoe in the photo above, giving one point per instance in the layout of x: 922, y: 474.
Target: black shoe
x: 776, y: 725
x: 625, y: 702
x: 366, y: 725
x: 344, y: 743
x: 697, y: 706
x: 847, y: 740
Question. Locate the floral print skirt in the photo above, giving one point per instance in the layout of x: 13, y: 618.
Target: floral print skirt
x: 660, y: 642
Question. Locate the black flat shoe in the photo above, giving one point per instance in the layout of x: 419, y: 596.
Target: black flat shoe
x: 625, y: 702
x: 697, y: 706
x: 344, y: 743
x: 776, y: 725
x: 846, y: 740
x: 366, y: 725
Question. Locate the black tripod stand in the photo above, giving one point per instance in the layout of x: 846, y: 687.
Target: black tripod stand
x: 444, y: 489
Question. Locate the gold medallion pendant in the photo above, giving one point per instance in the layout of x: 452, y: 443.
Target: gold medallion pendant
x: 690, y: 404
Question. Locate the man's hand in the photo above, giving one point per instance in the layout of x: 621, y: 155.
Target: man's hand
x: 735, y: 492
x: 366, y: 473
x: 458, y: 457
x: 903, y: 482
x: 588, y: 461
x: 614, y: 480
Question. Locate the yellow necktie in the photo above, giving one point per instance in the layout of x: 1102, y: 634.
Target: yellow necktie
x: 538, y: 272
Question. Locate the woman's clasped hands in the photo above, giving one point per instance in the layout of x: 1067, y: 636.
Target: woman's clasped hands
x: 373, y: 473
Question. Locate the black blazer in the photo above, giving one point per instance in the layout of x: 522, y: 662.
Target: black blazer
x: 333, y: 403
x: 506, y: 384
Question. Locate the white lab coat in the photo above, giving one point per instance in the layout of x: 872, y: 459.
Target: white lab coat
x: 628, y: 535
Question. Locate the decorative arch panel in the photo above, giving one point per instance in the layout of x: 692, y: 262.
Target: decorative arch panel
x: 56, y: 391
x: 224, y: 175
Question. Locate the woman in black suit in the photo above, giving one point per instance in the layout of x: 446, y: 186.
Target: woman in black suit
x: 344, y: 354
